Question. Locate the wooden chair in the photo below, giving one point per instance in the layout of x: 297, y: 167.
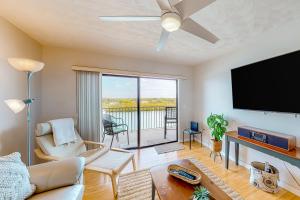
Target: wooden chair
x: 101, y: 159
x: 113, y: 126
x: 170, y: 118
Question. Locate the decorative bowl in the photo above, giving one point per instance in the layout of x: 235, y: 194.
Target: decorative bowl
x: 187, y: 175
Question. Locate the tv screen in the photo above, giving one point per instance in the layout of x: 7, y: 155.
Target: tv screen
x: 269, y: 85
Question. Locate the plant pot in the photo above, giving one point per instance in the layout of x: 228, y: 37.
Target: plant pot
x: 216, y: 145
x: 194, y: 198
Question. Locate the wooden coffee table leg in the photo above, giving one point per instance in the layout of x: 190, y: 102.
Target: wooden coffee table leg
x: 153, y: 191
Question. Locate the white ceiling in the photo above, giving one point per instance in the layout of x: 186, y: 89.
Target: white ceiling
x: 75, y: 24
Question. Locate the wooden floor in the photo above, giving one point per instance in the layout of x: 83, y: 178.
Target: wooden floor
x: 98, y: 186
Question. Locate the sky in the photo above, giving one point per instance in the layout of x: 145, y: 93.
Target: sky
x: 124, y: 87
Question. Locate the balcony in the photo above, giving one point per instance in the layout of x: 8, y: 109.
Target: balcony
x: 152, y: 122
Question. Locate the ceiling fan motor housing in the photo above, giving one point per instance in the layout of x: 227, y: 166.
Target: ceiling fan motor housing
x: 171, y: 21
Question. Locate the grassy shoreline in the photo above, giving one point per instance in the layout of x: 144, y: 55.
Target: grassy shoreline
x: 132, y: 102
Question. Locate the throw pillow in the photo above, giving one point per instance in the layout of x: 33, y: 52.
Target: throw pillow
x: 14, y: 178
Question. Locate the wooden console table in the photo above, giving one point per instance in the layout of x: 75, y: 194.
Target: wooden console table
x: 292, y: 157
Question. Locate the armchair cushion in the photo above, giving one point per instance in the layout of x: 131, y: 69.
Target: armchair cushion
x: 93, y: 154
x: 120, y: 128
x: 47, y: 145
x: 56, y: 174
x: 45, y: 128
x: 63, y: 131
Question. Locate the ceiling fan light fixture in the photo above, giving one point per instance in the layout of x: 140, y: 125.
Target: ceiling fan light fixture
x: 171, y: 22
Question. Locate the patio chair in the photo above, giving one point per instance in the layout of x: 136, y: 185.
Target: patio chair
x: 102, y: 159
x: 113, y: 126
x: 170, y: 118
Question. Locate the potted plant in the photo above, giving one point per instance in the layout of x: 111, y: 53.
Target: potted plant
x: 201, y: 193
x: 217, y: 124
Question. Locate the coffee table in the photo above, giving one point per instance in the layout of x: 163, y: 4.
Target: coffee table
x: 171, y: 188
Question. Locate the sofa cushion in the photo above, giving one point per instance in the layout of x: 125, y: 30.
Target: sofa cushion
x: 56, y: 174
x: 74, y: 192
x: 14, y: 182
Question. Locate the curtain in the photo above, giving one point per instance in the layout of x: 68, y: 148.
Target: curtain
x: 88, y: 105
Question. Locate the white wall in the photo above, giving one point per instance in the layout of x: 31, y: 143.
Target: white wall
x: 213, y: 94
x: 14, y: 43
x: 59, y: 81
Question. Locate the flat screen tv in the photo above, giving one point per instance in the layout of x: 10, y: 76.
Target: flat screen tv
x: 268, y: 85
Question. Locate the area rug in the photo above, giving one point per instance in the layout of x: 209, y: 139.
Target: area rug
x: 165, y: 148
x: 138, y: 185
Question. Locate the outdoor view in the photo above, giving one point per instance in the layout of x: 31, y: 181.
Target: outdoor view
x: 119, y: 100
x: 131, y: 102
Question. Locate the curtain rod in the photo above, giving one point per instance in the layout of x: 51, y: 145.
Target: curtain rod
x: 126, y: 72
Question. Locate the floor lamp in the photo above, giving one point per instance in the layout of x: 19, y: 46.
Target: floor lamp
x: 16, y: 105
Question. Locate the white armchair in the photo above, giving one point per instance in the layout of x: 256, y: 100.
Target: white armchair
x: 100, y: 159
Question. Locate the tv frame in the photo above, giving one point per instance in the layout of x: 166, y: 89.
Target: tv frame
x: 264, y: 111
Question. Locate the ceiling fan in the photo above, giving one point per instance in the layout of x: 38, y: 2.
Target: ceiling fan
x: 174, y: 16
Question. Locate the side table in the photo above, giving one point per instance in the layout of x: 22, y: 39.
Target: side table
x: 191, y: 133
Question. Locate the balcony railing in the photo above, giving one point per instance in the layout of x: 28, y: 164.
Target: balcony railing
x: 151, y: 117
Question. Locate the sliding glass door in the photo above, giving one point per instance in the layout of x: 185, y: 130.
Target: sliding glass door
x: 120, y: 111
x: 145, y: 108
x: 158, y: 111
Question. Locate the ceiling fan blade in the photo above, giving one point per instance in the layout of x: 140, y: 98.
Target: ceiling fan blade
x: 162, y: 40
x: 164, y: 5
x: 189, y: 7
x: 196, y: 29
x: 129, y: 18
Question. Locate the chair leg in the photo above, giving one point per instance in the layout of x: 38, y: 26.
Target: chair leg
x: 127, y: 137
x: 165, y: 131
x: 133, y: 164
x: 114, y: 185
x: 112, y: 139
x: 103, y: 136
x: 117, y: 137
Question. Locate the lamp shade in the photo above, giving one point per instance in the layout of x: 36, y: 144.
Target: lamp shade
x: 27, y: 65
x: 15, y: 105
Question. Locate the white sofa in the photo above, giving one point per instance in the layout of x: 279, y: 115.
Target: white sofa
x: 58, y: 179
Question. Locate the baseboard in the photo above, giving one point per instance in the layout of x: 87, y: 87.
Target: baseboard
x: 282, y: 184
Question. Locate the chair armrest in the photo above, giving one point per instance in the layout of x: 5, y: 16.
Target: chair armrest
x: 120, y: 150
x: 43, y: 156
x: 95, y: 143
x: 56, y: 174
x: 117, y: 120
